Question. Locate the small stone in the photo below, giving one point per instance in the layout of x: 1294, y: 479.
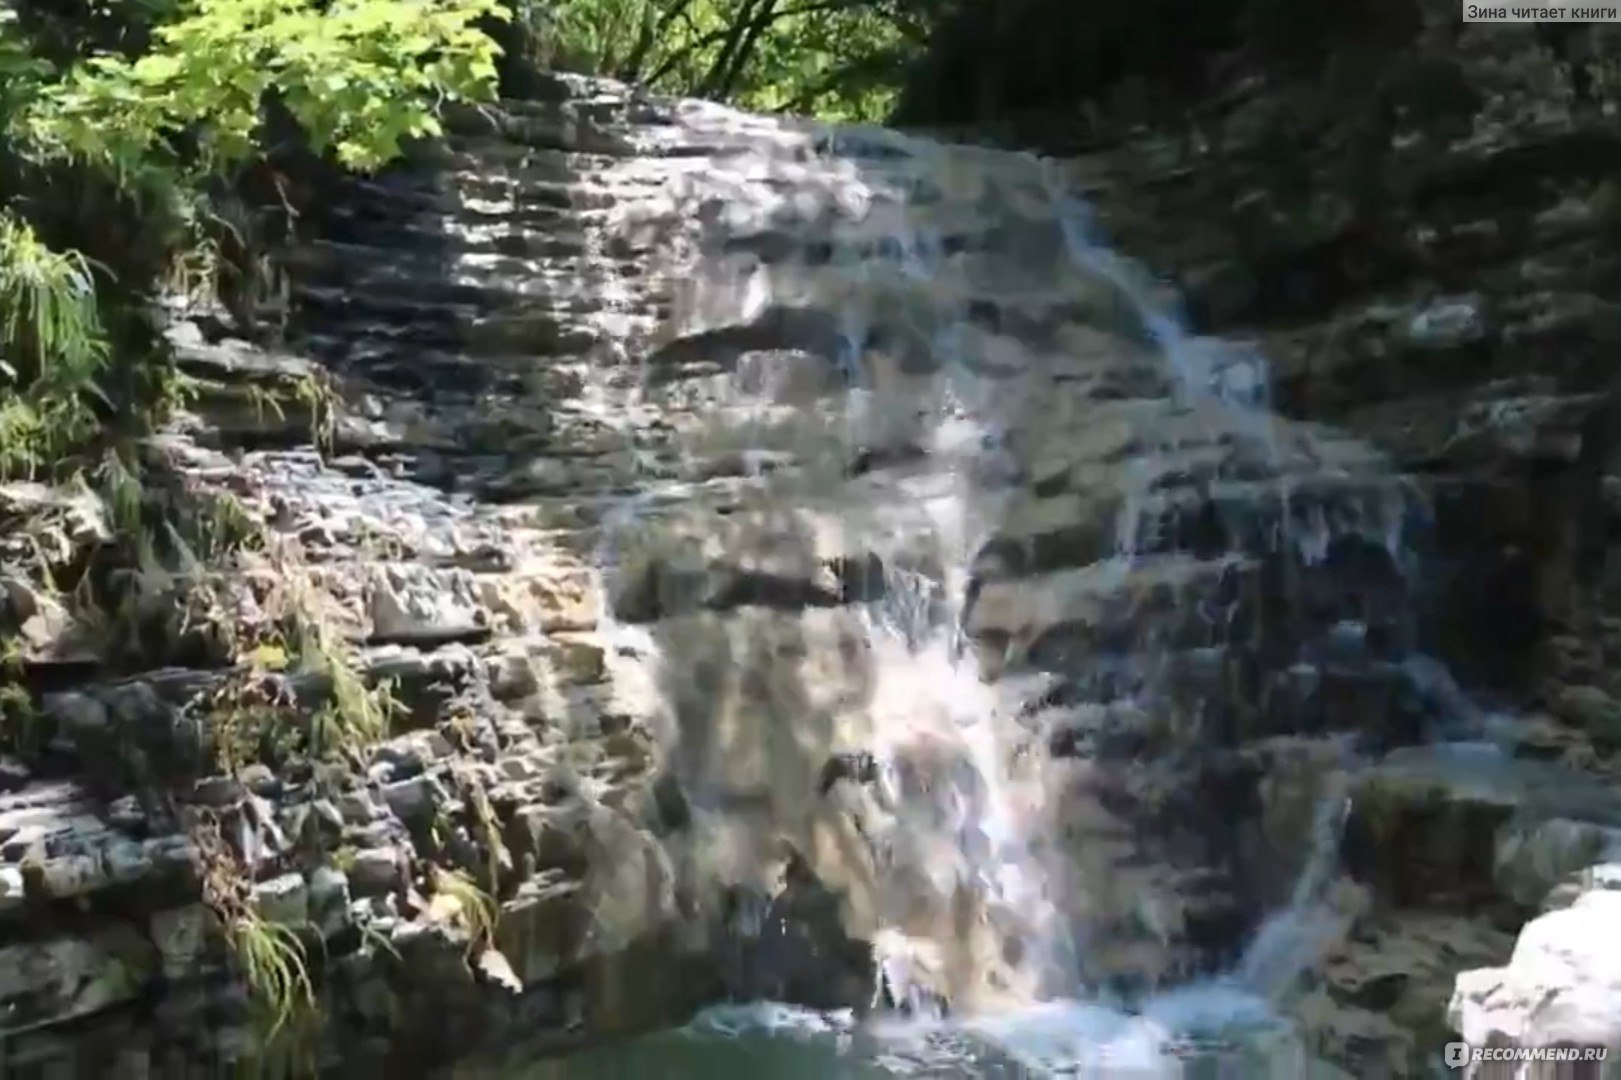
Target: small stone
x: 329, y: 900
x: 403, y: 759
x: 1590, y: 708
x: 579, y: 661
x: 378, y: 833
x: 1447, y: 323
x: 324, y: 811
x: 12, y: 888
x: 518, y: 768
x: 494, y: 967
x: 180, y: 934
x: 126, y: 861
x: 126, y: 813
x: 1604, y: 876
x: 543, y: 476
x: 356, y: 807
x: 259, y: 779
x: 134, y: 704
x: 512, y: 676
x: 411, y: 800
x: 550, y: 599
x: 418, y: 603
x: 78, y: 715
x: 1532, y: 860
x: 375, y: 872
x: 454, y: 663
x: 284, y: 899
x: 1561, y: 986
x: 72, y: 875
x: 217, y: 791
x: 13, y: 774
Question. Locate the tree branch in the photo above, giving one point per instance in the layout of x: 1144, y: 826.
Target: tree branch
x: 744, y: 36
x: 652, y: 29
x: 715, y: 37
x: 866, y: 67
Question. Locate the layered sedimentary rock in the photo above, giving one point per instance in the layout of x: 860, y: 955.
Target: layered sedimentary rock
x: 1431, y: 269
x: 771, y: 536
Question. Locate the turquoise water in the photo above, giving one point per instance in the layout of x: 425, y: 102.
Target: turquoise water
x: 1207, y: 1033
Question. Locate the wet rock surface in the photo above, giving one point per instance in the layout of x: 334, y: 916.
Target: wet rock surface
x: 627, y: 443
x: 1435, y: 279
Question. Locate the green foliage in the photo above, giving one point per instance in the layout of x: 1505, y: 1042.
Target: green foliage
x: 124, y: 130
x: 359, y: 76
x: 841, y: 59
x: 21, y: 70
x: 458, y: 900
x: 254, y: 716
x: 271, y: 961
x: 218, y: 527
x: 355, y: 714
x: 489, y: 828
x: 22, y: 728
x: 51, y: 349
x: 268, y: 956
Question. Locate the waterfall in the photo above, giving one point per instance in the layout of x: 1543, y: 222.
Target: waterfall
x: 1065, y: 538
x: 1239, y: 387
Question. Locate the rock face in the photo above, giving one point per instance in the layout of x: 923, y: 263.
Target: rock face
x: 1420, y: 241
x: 800, y: 564
x: 1433, y: 272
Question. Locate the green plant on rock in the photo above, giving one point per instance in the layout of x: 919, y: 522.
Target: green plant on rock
x: 376, y: 940
x: 247, y: 717
x: 159, y: 583
x: 271, y: 960
x: 458, y: 900
x: 172, y: 391
x: 317, y: 395
x: 489, y: 826
x: 269, y: 957
x: 126, y: 132
x: 52, y: 348
x: 264, y: 400
x: 215, y: 527
x: 193, y: 274
x: 23, y: 729
x: 355, y: 713
x: 117, y: 482
x: 292, y: 1052
x: 253, y: 715
x: 310, y: 396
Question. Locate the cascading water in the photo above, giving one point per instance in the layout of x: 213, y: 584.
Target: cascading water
x: 987, y: 346
x: 1238, y: 386
x: 954, y: 814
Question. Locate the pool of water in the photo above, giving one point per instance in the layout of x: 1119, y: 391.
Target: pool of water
x: 1208, y: 1033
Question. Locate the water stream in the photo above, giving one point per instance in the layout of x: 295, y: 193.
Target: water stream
x: 985, y: 933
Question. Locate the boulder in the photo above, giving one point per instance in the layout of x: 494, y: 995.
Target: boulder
x: 1561, y: 987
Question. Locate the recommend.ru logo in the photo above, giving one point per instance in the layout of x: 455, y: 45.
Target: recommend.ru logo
x: 1459, y: 1054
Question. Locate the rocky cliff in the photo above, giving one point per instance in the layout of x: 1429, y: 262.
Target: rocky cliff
x: 1431, y: 268
x: 599, y: 549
